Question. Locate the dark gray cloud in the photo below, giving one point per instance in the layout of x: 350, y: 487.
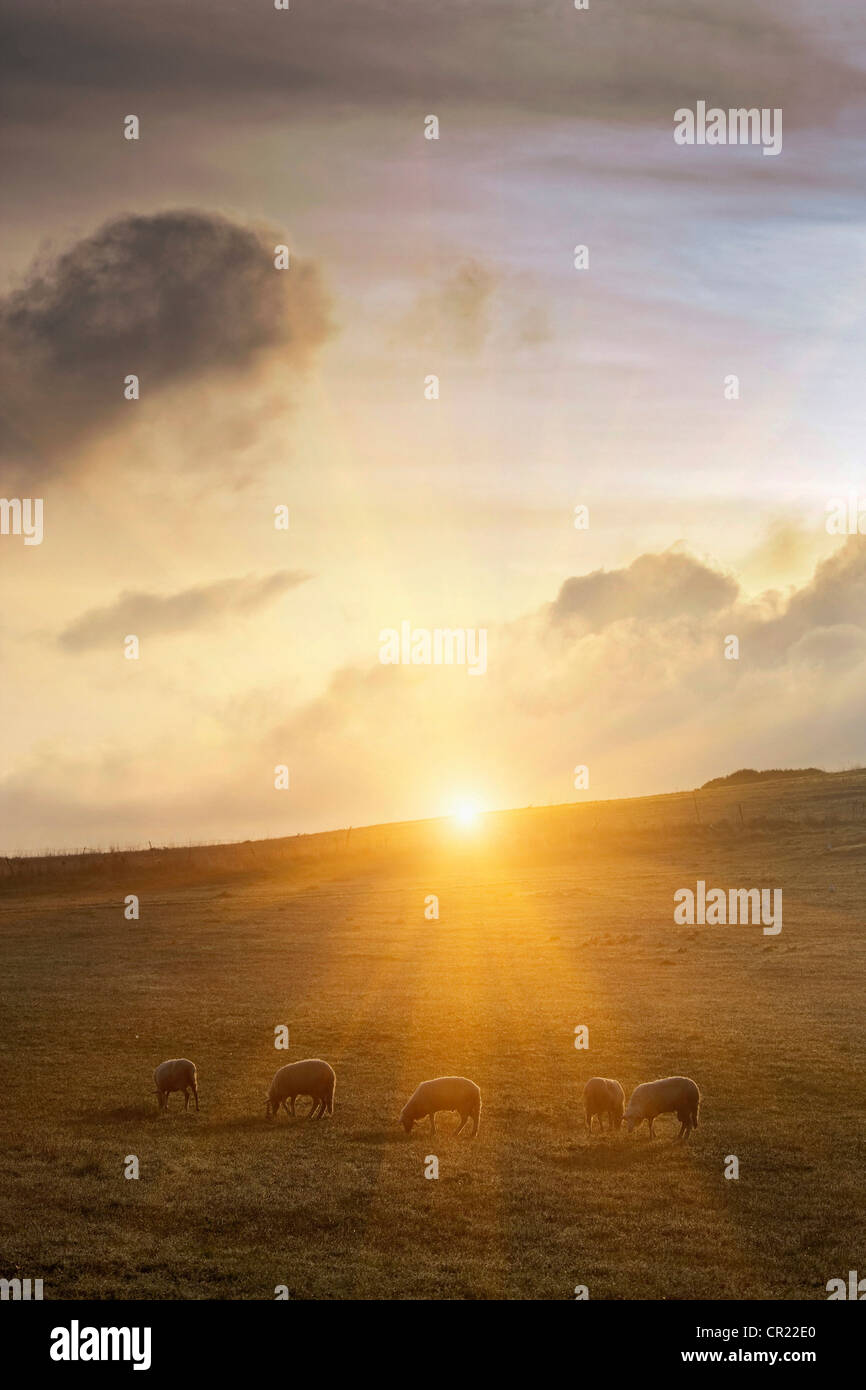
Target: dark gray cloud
x: 622, y: 62
x: 169, y: 297
x: 150, y: 615
x: 655, y: 588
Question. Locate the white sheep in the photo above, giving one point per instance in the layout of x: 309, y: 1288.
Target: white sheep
x: 309, y: 1078
x: 179, y: 1074
x: 672, y: 1094
x: 601, y: 1097
x: 445, y: 1093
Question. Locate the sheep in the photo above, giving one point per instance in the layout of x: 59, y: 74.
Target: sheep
x: 309, y: 1078
x: 445, y: 1093
x: 179, y: 1074
x: 601, y: 1097
x: 675, y: 1094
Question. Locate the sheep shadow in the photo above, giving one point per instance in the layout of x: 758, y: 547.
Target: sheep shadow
x: 378, y: 1136
x: 617, y: 1155
x: 246, y: 1124
x: 120, y: 1114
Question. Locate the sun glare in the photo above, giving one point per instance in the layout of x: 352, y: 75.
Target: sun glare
x: 466, y: 814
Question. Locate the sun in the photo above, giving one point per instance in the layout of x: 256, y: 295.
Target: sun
x: 466, y: 814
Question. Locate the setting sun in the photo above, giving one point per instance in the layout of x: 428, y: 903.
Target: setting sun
x: 466, y: 814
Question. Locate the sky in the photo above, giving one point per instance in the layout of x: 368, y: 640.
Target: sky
x: 602, y: 387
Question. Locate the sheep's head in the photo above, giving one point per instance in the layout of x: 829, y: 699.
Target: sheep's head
x: 406, y: 1119
x: 632, y: 1118
x: 616, y: 1116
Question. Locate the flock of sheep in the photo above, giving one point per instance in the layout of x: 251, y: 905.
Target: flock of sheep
x: 672, y: 1095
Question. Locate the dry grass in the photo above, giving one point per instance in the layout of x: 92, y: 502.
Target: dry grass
x: 548, y: 919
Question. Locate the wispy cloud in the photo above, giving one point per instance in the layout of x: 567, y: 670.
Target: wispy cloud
x: 153, y: 615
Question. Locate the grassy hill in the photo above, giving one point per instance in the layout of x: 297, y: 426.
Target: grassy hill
x: 772, y: 774
x: 549, y: 918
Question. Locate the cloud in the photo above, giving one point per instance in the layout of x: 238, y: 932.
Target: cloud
x: 475, y: 304
x: 654, y: 588
x: 171, y: 298
x: 531, y: 56
x: 831, y: 649
x: 837, y: 592
x: 454, y: 315
x: 150, y: 615
x: 832, y: 603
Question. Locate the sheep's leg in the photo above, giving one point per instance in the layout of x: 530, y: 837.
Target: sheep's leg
x: 292, y: 1104
x: 651, y: 1130
x: 432, y: 1121
x: 195, y: 1093
x: 185, y: 1098
x: 475, y: 1125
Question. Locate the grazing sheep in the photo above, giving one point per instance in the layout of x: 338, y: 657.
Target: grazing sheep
x: 601, y: 1097
x: 675, y: 1094
x: 445, y: 1093
x: 179, y: 1074
x: 310, y: 1078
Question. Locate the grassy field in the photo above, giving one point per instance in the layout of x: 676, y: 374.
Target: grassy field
x: 549, y: 918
